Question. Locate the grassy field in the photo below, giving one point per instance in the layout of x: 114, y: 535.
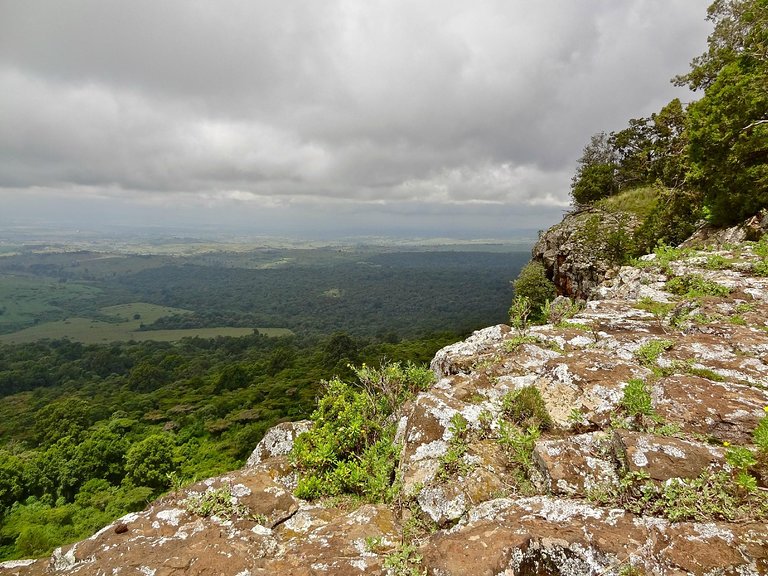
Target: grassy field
x: 130, y: 318
x: 25, y: 298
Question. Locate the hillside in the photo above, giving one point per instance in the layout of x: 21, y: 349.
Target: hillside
x: 628, y: 437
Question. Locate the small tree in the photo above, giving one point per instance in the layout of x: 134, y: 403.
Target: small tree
x: 596, y: 175
x: 532, y: 283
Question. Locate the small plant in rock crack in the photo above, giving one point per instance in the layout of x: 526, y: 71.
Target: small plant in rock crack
x: 741, y: 459
x: 559, y: 310
x: 452, y: 462
x: 648, y: 354
x: 696, y: 286
x: 526, y: 407
x: 636, y: 400
x: 519, y: 312
x: 221, y: 503
x: 404, y: 561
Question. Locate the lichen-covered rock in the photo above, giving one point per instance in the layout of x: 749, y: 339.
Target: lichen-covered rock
x: 544, y: 535
x: 573, y: 466
x: 725, y: 411
x: 278, y: 441
x: 702, y: 360
x: 575, y: 252
x: 663, y: 458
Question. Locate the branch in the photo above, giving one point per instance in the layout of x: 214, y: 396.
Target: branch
x: 753, y: 124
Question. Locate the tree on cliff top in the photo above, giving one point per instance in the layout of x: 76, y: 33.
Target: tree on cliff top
x: 728, y: 126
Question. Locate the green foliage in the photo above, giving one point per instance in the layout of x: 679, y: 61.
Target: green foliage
x: 452, y: 462
x: 218, y: 502
x: 696, y: 286
x: 710, y: 496
x: 648, y: 354
x: 641, y: 201
x: 559, y: 310
x: 636, y: 400
x: 518, y: 444
x: 672, y: 220
x: 519, y: 312
x: 607, y: 236
x: 532, y: 284
x: 525, y: 407
x: 350, y: 448
x: 404, y: 561
x: 728, y: 128
x: 151, y: 461
x: 595, y: 175
x: 761, y: 433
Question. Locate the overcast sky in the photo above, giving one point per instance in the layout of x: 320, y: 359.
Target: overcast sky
x: 406, y: 117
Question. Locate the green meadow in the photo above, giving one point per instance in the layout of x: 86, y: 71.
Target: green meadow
x: 128, y: 321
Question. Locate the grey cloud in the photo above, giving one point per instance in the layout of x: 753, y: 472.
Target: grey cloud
x: 292, y: 102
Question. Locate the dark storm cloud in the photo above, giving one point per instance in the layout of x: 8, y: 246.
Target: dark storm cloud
x: 243, y: 103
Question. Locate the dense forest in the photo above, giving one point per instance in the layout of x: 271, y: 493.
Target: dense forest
x: 91, y: 431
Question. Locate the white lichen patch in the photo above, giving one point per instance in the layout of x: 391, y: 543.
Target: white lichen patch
x: 441, y: 507
x: 562, y: 510
x: 170, y: 516
x: 710, y: 530
x: 359, y: 563
x: 434, y: 449
x: 240, y: 490
x: 260, y: 530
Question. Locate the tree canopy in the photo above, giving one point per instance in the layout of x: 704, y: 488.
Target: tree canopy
x: 714, y: 151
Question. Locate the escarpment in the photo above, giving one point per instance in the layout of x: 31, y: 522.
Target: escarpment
x: 621, y: 440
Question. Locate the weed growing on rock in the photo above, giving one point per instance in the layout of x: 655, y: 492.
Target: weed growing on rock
x: 511, y: 344
x: 710, y: 496
x: 658, y: 309
x: 648, y: 354
x: 717, y: 262
x: 525, y: 407
x: 559, y: 310
x: 219, y: 502
x: 637, y: 399
x: 696, y: 286
x: 519, y: 312
x: 404, y: 561
x: 741, y: 459
x: 452, y: 462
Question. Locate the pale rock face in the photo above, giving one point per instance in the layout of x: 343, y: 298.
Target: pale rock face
x: 710, y: 382
x: 278, y: 441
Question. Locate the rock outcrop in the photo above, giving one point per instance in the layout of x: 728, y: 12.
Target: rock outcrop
x: 703, y: 362
x: 576, y: 253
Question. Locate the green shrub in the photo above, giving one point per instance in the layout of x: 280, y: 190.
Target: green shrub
x: 532, y: 283
x: 696, y: 286
x: 526, y: 407
x: 648, y: 354
x: 637, y: 399
x: 350, y: 448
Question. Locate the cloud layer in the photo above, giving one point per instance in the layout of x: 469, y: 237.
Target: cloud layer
x: 320, y: 107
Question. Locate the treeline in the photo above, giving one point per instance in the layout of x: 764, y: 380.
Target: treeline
x: 90, y: 432
x: 708, y: 159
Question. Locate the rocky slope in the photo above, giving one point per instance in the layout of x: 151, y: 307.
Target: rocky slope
x: 611, y: 487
